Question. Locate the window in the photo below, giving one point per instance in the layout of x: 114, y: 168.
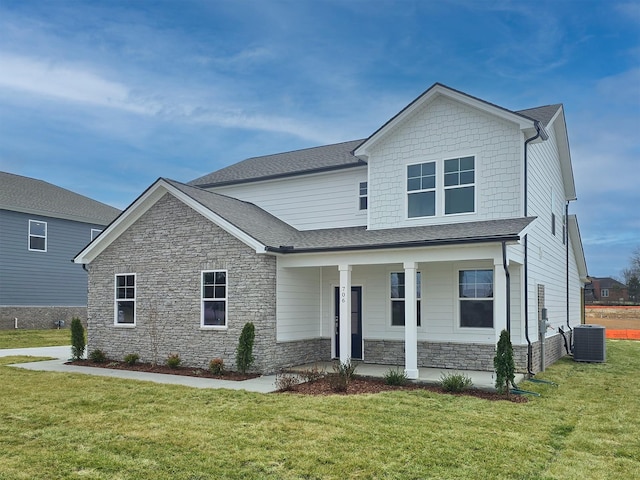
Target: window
x: 459, y: 185
x: 125, y: 299
x: 94, y: 233
x: 475, y: 291
x: 397, y: 298
x: 362, y: 195
x: 214, y: 298
x: 604, y: 293
x: 421, y: 189
x: 37, y: 236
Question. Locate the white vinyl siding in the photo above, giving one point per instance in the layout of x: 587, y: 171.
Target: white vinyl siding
x: 298, y: 293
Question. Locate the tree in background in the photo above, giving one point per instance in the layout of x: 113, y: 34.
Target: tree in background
x: 632, y: 276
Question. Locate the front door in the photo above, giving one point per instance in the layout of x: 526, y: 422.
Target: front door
x: 356, y: 322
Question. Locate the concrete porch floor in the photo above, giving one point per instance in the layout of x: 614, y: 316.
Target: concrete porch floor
x: 480, y: 379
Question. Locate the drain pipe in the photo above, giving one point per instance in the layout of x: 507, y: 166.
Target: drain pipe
x: 526, y: 251
x: 566, y: 241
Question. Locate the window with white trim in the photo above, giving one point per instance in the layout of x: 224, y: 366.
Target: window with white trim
x: 214, y: 298
x: 604, y: 293
x: 37, y: 236
x: 362, y: 196
x: 125, y: 299
x: 94, y: 233
x: 475, y: 294
x: 421, y: 190
x: 397, y: 298
x: 459, y: 185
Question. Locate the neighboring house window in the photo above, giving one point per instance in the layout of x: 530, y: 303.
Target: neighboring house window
x: 37, y: 236
x: 125, y: 299
x: 214, y: 298
x: 475, y: 291
x: 459, y: 185
x: 604, y: 293
x: 363, y: 196
x: 397, y: 298
x: 421, y: 189
x: 94, y: 233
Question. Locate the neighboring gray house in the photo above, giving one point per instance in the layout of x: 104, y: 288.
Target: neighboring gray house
x: 42, y: 227
x: 415, y: 246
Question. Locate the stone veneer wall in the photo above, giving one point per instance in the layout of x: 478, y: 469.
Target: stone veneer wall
x: 39, y: 318
x: 301, y: 352
x: 167, y: 248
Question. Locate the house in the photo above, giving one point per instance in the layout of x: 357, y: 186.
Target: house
x: 415, y: 247
x: 42, y: 227
x: 606, y: 290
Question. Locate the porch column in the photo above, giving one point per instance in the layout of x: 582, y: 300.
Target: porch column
x: 410, y: 321
x: 345, y: 313
x: 499, y: 298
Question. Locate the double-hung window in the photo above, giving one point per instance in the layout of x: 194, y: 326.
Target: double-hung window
x: 397, y: 298
x: 362, y: 196
x: 37, y: 236
x: 421, y: 189
x: 604, y: 293
x: 214, y: 298
x: 125, y: 301
x: 475, y: 292
x: 459, y: 185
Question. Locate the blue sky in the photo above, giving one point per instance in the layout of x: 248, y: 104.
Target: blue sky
x: 103, y: 98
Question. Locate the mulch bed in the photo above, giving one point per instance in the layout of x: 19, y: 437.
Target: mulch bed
x: 147, y: 367
x: 362, y: 385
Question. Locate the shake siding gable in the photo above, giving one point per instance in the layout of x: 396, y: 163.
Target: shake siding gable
x: 326, y: 200
x: 441, y: 129
x: 167, y: 248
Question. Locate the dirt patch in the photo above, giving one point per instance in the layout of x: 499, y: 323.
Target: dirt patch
x: 362, y: 385
x: 149, y: 368
x: 613, y: 317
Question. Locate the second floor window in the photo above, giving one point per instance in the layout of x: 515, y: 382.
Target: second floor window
x: 37, y: 236
x: 421, y: 189
x: 362, y: 196
x: 459, y: 185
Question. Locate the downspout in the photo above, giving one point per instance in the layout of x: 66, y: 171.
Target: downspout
x: 508, y: 277
x: 526, y: 269
x: 566, y: 240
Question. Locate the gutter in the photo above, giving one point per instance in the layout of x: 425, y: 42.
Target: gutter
x: 285, y: 249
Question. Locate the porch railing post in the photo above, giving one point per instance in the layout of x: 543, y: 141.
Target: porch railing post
x: 345, y: 312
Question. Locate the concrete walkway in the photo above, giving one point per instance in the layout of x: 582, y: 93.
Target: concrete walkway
x: 263, y: 384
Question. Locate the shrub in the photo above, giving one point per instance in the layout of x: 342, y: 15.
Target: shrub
x: 341, y: 376
x: 216, y: 366
x: 244, y: 355
x: 455, y: 382
x: 131, y: 358
x: 78, y: 342
x: 286, y: 381
x: 97, y: 356
x: 504, y: 364
x: 174, y: 360
x: 395, y: 377
x: 312, y: 374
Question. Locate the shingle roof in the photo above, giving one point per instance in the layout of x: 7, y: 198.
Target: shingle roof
x: 541, y: 114
x: 37, y: 197
x: 282, y: 237
x: 308, y: 160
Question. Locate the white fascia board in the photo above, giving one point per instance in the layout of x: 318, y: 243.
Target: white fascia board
x: 435, y: 91
x: 578, y: 251
x: 144, y: 203
x: 562, y: 140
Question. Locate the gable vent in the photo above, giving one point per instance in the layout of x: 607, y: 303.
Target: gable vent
x: 589, y: 343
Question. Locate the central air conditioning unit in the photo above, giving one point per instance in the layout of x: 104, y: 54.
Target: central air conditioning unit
x: 589, y: 343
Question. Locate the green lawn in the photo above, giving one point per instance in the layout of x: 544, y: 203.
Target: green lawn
x: 34, y: 338
x: 74, y: 426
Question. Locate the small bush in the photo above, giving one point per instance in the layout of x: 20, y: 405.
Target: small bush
x: 396, y: 377
x: 341, y: 376
x: 286, y: 381
x: 174, y: 360
x: 78, y: 342
x: 244, y: 355
x: 216, y: 366
x: 312, y: 374
x: 131, y: 358
x: 455, y: 382
x: 504, y: 363
x: 97, y: 356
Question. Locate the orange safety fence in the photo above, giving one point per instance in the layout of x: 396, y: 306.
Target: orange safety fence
x: 623, y: 334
